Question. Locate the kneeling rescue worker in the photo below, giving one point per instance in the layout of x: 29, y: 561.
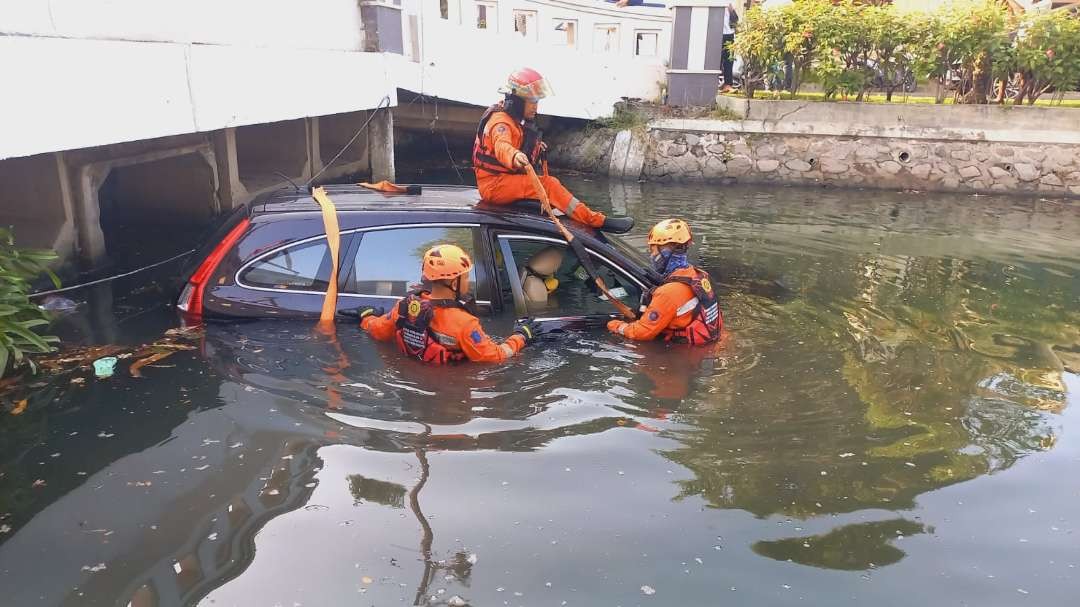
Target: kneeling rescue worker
x: 435, y: 326
x: 508, y: 139
x: 684, y: 308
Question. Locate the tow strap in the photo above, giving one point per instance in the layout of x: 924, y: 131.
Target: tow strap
x: 333, y: 240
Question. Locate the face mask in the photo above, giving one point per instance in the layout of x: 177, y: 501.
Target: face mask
x: 660, y: 260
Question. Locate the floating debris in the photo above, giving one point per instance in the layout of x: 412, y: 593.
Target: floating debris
x: 648, y: 590
x: 456, y: 601
x: 212, y: 537
x: 94, y: 568
x: 38, y: 483
x: 105, y: 367
x: 473, y: 558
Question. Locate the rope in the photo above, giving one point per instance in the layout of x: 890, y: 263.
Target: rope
x: 381, y: 106
x: 110, y: 278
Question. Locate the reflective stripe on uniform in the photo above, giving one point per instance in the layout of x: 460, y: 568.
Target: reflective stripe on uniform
x: 446, y: 340
x: 570, y: 208
x: 712, y: 312
x: 687, y: 307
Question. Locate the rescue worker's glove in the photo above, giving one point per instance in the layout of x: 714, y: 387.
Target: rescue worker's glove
x: 377, y: 311
x: 529, y: 329
x: 617, y: 326
x: 520, y: 160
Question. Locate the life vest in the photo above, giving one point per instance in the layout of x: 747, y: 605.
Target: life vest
x: 707, y: 321
x: 416, y: 338
x: 483, y: 156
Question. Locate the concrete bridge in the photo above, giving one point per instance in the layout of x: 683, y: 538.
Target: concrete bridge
x: 175, y: 111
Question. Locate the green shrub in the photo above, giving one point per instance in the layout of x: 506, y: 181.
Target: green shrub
x: 1047, y: 55
x: 759, y: 44
x: 19, y: 317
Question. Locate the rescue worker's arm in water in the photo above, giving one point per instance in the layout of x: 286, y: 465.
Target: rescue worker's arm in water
x: 478, y: 347
x: 661, y: 311
x: 501, y: 134
x: 382, y: 328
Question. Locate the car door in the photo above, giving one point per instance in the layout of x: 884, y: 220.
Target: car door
x: 384, y: 262
x: 573, y: 301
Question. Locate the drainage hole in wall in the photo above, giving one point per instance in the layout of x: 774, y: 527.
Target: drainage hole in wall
x: 811, y: 162
x: 904, y: 156
x: 1008, y: 167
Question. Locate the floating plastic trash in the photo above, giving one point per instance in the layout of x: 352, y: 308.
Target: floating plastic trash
x: 104, y: 367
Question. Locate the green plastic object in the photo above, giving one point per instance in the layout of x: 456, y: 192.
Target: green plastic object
x: 104, y: 367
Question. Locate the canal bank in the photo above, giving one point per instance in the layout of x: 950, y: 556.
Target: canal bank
x: 974, y: 149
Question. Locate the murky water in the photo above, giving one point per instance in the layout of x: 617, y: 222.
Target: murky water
x: 891, y: 420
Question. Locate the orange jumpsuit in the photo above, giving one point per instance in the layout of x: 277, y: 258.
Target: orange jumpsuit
x: 504, y: 136
x: 663, y: 311
x: 455, y: 328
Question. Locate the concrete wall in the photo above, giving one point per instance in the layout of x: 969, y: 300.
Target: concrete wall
x: 1023, y: 150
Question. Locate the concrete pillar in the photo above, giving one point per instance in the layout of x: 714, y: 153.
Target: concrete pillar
x: 231, y: 192
x: 315, y: 159
x: 697, y: 37
x: 381, y: 146
x: 36, y: 200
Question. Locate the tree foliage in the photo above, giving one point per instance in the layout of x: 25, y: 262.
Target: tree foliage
x: 853, y: 47
x: 19, y: 317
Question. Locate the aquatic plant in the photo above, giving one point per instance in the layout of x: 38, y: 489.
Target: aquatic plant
x: 19, y: 317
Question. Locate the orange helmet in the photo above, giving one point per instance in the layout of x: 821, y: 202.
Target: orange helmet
x: 670, y: 231
x: 445, y: 262
x: 527, y: 83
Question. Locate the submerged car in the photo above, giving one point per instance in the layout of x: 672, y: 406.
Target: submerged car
x: 271, y: 259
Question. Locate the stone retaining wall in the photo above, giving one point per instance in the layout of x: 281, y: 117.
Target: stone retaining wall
x: 1023, y: 150
x: 880, y: 162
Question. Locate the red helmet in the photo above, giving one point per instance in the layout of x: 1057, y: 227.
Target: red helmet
x: 528, y: 84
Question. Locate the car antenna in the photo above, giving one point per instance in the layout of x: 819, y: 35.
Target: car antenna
x: 286, y: 178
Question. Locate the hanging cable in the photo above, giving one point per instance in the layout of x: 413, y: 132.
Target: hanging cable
x: 385, y: 103
x: 110, y: 278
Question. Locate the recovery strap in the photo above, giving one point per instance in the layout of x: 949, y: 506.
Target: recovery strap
x: 333, y: 240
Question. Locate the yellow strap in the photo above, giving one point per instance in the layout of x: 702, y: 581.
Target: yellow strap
x: 333, y: 238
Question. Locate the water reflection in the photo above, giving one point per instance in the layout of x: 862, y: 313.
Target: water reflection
x: 879, y: 352
x: 855, y: 547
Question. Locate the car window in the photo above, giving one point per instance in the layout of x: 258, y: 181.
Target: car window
x: 554, y: 283
x: 387, y: 262
x: 302, y: 267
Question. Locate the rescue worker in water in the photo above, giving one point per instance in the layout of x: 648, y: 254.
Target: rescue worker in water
x: 507, y: 140
x: 684, y: 308
x: 435, y: 326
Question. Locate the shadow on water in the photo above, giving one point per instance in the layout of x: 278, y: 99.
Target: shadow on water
x: 878, y: 352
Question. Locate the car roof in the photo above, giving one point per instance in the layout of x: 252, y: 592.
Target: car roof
x: 350, y: 197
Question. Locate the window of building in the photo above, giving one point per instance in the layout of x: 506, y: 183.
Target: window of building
x: 646, y: 43
x: 606, y: 38
x: 303, y: 267
x: 565, y: 32
x: 525, y: 24
x: 487, y: 16
x: 387, y: 261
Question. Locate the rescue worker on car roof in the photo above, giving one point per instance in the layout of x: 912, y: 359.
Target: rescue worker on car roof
x: 684, y: 308
x: 508, y: 139
x: 435, y: 326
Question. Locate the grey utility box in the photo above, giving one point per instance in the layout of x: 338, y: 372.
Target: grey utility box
x: 697, y: 43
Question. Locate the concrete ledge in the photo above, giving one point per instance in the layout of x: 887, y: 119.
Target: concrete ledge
x: 991, y: 118
x: 862, y: 127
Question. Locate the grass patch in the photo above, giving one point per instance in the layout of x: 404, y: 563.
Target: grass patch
x: 722, y: 113
x: 897, y: 98
x: 622, y: 120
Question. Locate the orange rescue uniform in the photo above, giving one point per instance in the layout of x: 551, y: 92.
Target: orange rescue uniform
x: 455, y: 329
x: 671, y: 309
x: 501, y: 138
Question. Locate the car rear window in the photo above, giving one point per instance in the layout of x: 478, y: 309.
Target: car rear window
x: 302, y: 267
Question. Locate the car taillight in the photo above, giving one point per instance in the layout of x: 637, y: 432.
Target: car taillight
x: 191, y: 298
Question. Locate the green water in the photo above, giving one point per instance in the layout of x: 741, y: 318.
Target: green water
x: 890, y: 420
